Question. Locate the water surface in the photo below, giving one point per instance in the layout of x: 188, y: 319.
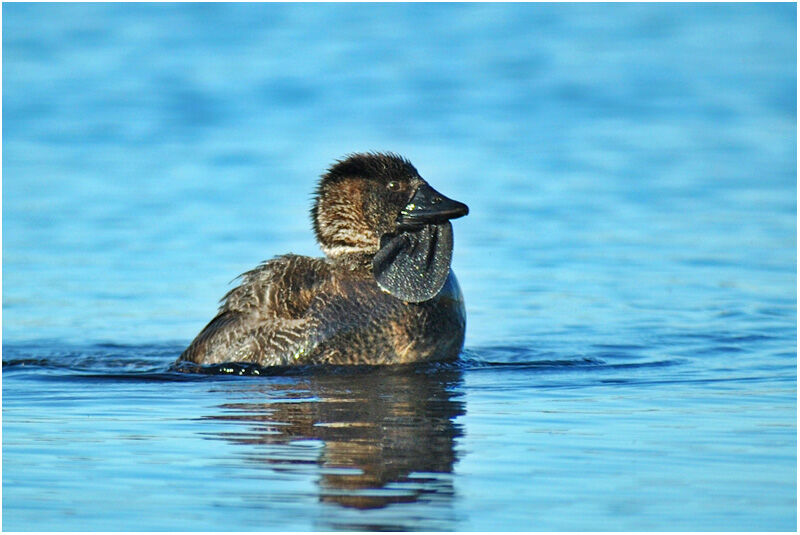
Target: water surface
x: 628, y: 264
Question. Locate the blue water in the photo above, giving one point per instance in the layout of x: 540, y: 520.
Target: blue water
x: 628, y: 264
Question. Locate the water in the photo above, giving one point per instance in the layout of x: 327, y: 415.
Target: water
x: 629, y: 265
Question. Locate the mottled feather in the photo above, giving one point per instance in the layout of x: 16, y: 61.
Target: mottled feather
x: 263, y: 320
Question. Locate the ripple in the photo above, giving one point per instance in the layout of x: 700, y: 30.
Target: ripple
x: 156, y: 363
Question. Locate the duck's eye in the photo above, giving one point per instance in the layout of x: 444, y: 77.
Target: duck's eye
x: 394, y: 186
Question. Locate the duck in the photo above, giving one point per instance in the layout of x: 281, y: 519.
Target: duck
x: 383, y: 294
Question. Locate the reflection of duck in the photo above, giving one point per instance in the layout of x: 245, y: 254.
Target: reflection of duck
x: 383, y: 295
x: 388, y: 437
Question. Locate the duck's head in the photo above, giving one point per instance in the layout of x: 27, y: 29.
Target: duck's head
x: 378, y: 205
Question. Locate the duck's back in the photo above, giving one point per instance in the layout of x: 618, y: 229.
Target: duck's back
x: 300, y: 310
x: 264, y: 320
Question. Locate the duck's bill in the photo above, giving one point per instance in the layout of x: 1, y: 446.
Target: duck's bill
x: 429, y: 207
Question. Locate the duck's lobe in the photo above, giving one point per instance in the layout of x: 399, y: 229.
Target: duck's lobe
x: 413, y: 265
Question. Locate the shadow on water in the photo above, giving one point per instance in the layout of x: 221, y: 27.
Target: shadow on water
x: 385, y: 437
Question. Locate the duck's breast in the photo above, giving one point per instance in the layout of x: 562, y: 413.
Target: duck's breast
x: 358, y: 323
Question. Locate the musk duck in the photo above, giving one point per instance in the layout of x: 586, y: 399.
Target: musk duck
x: 383, y: 294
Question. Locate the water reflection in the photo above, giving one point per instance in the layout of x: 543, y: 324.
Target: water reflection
x: 388, y: 437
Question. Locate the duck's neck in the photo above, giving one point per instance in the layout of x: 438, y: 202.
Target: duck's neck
x: 355, y: 261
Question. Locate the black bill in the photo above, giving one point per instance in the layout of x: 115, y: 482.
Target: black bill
x: 429, y: 207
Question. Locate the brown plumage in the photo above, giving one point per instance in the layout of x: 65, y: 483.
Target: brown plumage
x: 384, y: 293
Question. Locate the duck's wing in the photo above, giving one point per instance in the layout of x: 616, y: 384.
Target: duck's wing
x: 263, y: 320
